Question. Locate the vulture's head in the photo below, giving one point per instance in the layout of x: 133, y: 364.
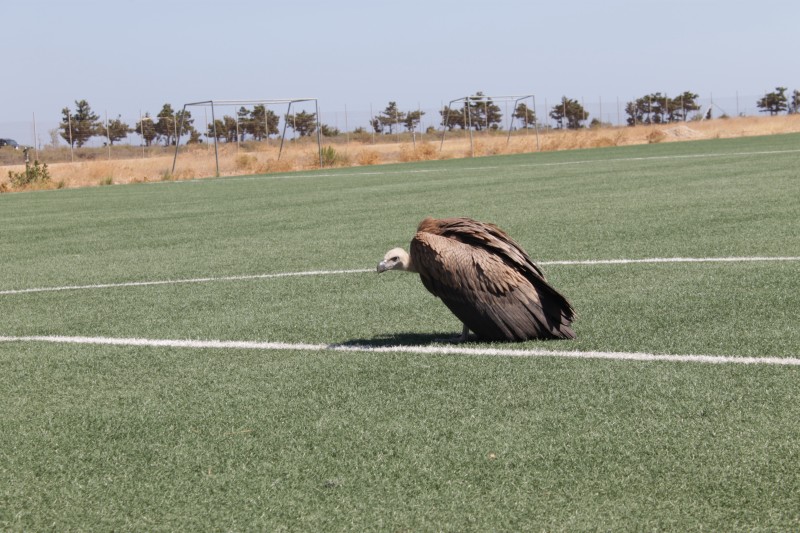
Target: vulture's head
x: 395, y: 259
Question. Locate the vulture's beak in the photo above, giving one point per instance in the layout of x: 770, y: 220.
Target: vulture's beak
x: 382, y: 267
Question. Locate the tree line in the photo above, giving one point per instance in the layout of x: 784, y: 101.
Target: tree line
x: 777, y: 102
x: 477, y: 112
x: 77, y: 127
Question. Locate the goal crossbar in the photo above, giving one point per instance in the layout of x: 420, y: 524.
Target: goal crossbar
x: 247, y: 102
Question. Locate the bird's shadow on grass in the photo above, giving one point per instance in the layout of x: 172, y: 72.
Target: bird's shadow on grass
x: 447, y: 338
x: 406, y: 339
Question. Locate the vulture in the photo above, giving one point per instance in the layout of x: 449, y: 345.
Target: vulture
x: 486, y: 279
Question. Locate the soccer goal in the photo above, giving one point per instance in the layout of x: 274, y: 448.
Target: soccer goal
x: 214, y: 104
x: 469, y: 102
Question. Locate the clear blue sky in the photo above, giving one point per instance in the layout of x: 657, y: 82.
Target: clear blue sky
x: 128, y: 56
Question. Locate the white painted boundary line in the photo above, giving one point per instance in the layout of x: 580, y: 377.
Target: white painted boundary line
x: 424, y: 350
x: 589, y: 262
x: 670, y: 260
x: 368, y: 173
x: 179, y: 281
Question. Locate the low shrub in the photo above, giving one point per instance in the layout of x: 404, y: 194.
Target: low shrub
x: 368, y: 157
x: 245, y: 162
x: 32, y: 174
x: 422, y: 151
x: 330, y: 157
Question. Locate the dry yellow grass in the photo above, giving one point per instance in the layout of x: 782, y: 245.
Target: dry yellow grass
x: 251, y: 158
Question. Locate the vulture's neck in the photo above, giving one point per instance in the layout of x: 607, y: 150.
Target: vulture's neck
x: 408, y: 263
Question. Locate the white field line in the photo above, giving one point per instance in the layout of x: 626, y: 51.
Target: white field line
x: 424, y: 350
x: 179, y: 281
x: 589, y: 262
x: 322, y: 174
x: 671, y: 260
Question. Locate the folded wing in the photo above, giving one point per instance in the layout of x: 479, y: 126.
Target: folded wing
x: 488, y: 281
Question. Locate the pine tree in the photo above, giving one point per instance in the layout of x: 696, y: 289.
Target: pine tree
x: 774, y: 102
x: 81, y: 126
x: 525, y: 115
x: 794, y: 105
x: 391, y: 117
x: 116, y: 130
x: 483, y: 114
x: 146, y: 129
x: 412, y: 119
x: 452, y: 118
x: 304, y: 124
x: 571, y: 111
x: 231, y: 127
x: 216, y: 129
x: 262, y: 122
x: 185, y: 124
x: 682, y: 105
x: 166, y: 126
x: 245, y: 126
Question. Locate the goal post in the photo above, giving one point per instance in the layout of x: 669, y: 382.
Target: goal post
x: 213, y: 104
x: 516, y: 99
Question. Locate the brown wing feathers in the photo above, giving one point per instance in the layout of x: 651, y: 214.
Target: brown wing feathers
x: 488, y: 281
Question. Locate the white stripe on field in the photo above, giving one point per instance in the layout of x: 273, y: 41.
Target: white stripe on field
x: 345, y: 173
x: 178, y: 281
x: 588, y: 262
x: 431, y: 350
x: 669, y: 260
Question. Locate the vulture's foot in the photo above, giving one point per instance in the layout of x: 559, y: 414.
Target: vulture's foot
x: 456, y: 340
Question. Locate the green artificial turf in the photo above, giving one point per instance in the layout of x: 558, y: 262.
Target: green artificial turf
x: 152, y: 438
